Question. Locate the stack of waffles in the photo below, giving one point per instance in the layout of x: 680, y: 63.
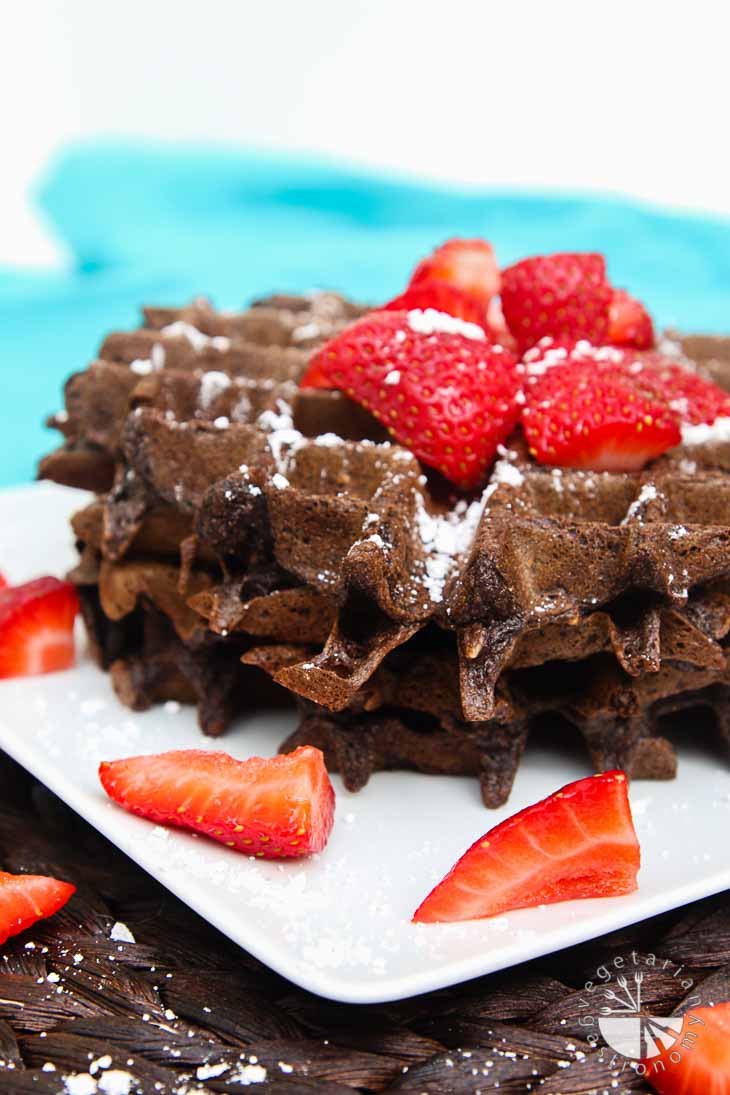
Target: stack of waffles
x: 252, y: 541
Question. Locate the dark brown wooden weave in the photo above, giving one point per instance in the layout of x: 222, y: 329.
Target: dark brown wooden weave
x: 183, y: 998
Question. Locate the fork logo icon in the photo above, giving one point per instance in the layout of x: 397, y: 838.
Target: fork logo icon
x: 619, y: 1007
x: 628, y: 1031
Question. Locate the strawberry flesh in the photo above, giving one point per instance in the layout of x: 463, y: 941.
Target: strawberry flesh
x: 443, y: 297
x: 27, y: 898
x: 565, y: 296
x: 36, y: 627
x: 629, y: 323
x: 578, y: 843
x: 466, y: 264
x: 437, y: 384
x: 274, y: 808
x: 698, y: 1061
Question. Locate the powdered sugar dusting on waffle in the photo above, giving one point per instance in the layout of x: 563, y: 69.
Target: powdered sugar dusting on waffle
x: 445, y: 539
x: 212, y: 384
x: 704, y: 434
x: 197, y: 339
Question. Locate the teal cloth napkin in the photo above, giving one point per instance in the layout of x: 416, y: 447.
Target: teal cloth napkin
x: 161, y: 224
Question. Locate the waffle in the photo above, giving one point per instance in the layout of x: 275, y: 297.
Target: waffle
x: 252, y: 542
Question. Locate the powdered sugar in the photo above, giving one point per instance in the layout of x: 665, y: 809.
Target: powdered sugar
x: 248, y: 1074
x: 196, y: 338
x: 546, y: 355
x: 428, y: 322
x: 717, y: 432
x: 141, y: 366
x: 279, y: 481
x: 648, y: 493
x: 506, y: 472
x: 212, y: 385
x: 281, y: 433
x: 120, y: 933
x: 305, y: 331
x: 209, y: 1072
x: 445, y: 539
x: 158, y: 356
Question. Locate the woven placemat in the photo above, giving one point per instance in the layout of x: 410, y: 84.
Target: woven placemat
x: 182, y: 1009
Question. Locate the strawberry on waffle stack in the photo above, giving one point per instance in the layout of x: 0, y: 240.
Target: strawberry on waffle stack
x: 495, y: 498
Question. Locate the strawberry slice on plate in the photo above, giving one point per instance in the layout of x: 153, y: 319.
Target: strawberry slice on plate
x: 629, y: 323
x: 27, y: 898
x: 565, y: 296
x: 36, y: 627
x: 273, y: 807
x: 466, y: 264
x: 437, y: 384
x: 580, y: 842
x: 443, y: 297
x: 698, y: 1061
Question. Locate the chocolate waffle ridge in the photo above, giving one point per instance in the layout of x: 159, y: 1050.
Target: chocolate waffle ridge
x: 246, y: 527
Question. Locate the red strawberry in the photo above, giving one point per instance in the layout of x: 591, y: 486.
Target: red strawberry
x: 3, y: 581
x: 466, y: 264
x: 437, y: 384
x: 579, y: 842
x: 443, y: 297
x: 497, y: 328
x: 584, y: 409
x: 274, y: 807
x: 27, y: 898
x: 564, y: 296
x: 698, y: 1061
x: 36, y: 627
x: 629, y: 323
x: 690, y: 397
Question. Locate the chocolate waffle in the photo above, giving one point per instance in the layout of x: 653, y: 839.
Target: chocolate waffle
x: 247, y: 530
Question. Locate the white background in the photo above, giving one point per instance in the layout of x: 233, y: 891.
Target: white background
x: 620, y: 96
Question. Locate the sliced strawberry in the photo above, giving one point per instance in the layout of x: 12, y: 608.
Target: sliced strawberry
x: 579, y: 842
x: 565, y: 297
x: 27, y: 898
x: 36, y: 627
x: 434, y: 381
x: 629, y: 323
x: 610, y: 409
x: 274, y: 807
x: 697, y: 1062
x: 443, y: 297
x: 497, y: 328
x: 582, y: 412
x: 690, y: 397
x: 467, y: 264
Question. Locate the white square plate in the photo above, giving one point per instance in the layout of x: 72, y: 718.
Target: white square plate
x: 338, y: 924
